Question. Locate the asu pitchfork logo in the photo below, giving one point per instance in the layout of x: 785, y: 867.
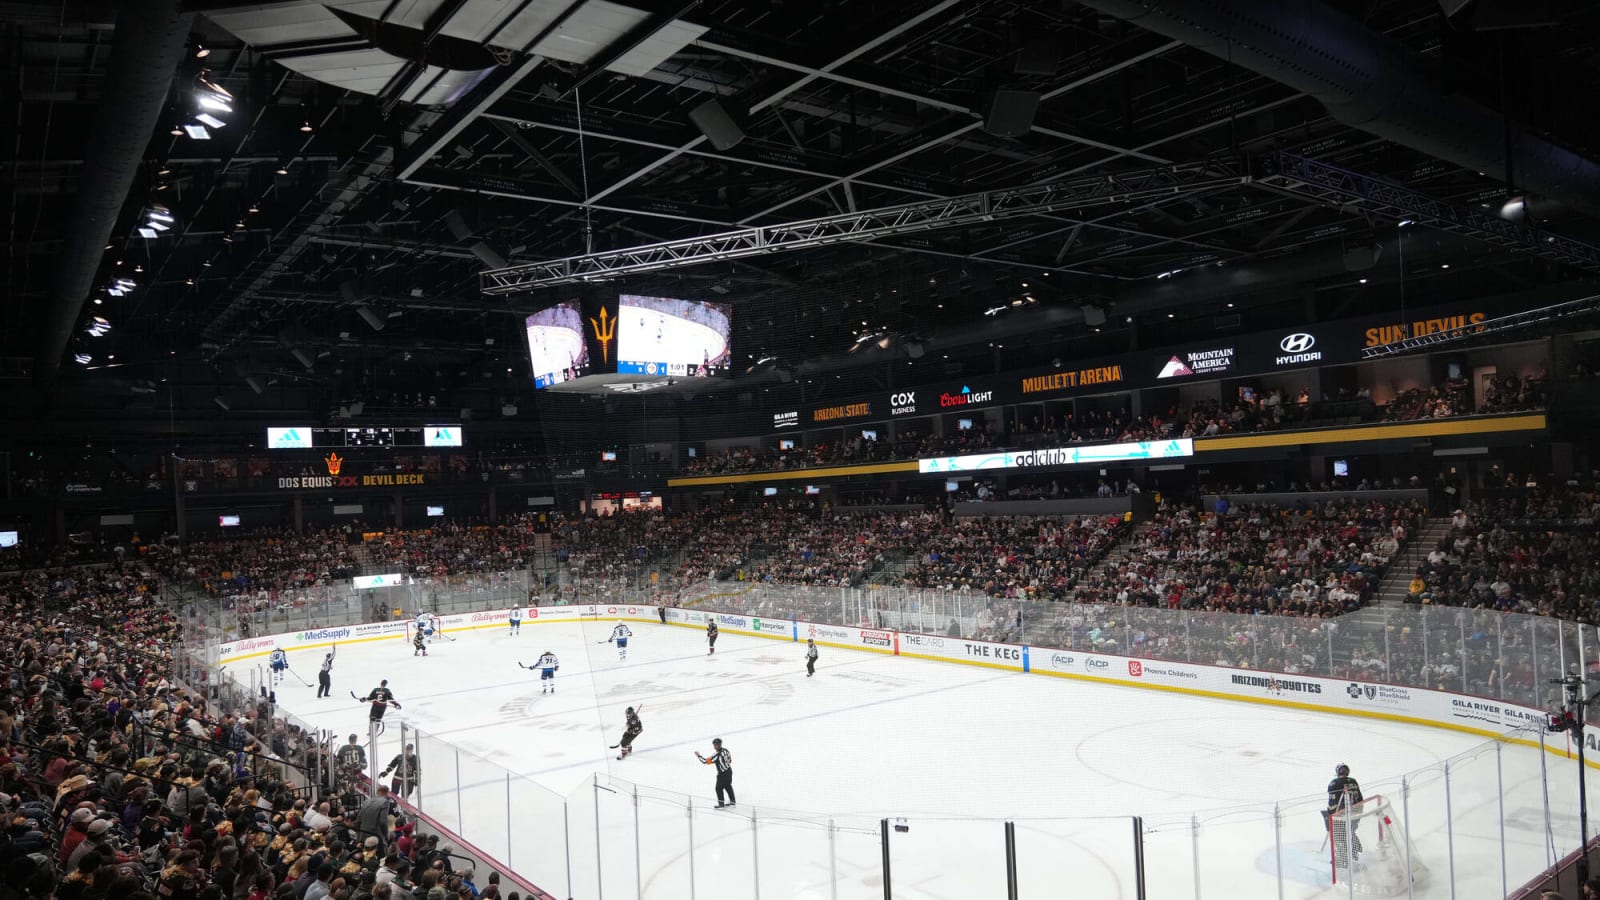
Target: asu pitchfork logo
x: 334, y: 463
x: 605, y: 330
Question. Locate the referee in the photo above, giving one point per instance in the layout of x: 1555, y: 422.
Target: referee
x: 723, y: 760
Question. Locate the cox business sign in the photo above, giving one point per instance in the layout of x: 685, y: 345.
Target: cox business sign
x: 1060, y: 456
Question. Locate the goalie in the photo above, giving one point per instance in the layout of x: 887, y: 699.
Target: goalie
x: 1344, y: 797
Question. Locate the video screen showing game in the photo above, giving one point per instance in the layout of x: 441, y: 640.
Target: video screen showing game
x: 556, y: 349
x: 663, y: 336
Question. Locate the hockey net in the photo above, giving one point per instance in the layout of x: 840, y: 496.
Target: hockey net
x: 1369, y: 850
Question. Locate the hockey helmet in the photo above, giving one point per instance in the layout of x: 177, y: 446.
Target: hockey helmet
x: 1341, y: 770
x: 630, y: 709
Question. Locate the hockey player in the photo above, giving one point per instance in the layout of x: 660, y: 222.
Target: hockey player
x: 1344, y: 796
x: 811, y: 657
x: 424, y: 625
x: 419, y: 643
x: 516, y: 619
x: 405, y: 769
x: 630, y: 730
x: 723, y: 760
x: 279, y: 663
x: 547, y: 665
x: 325, y: 676
x: 381, y: 699
x: 619, y: 636
x: 352, y: 761
x: 711, y: 636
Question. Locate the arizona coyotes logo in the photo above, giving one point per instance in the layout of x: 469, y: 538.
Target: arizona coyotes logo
x: 605, y: 330
x: 334, y: 463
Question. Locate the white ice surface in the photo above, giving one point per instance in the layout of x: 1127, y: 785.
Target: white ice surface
x: 954, y: 749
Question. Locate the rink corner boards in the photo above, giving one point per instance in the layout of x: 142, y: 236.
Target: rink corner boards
x: 1480, y: 716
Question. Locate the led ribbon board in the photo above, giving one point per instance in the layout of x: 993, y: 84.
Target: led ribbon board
x: 1059, y: 456
x: 366, y: 582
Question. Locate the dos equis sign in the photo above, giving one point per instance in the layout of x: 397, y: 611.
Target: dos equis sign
x: 337, y: 478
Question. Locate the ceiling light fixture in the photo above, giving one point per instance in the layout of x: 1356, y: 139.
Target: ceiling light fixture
x: 82, y: 359
x: 305, y: 128
x: 209, y: 119
x: 197, y: 132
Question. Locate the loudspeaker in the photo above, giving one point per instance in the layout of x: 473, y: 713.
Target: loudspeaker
x: 1094, y: 316
x: 457, y: 225
x: 1009, y: 113
x: 715, y: 123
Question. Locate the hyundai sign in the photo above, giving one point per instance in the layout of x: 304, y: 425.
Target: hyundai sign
x: 1060, y: 456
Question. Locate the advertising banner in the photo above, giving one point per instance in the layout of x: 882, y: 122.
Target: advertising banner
x: 1258, y: 353
x: 983, y: 653
x: 1060, y: 456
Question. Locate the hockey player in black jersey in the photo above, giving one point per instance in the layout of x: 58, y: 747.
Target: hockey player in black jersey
x: 630, y: 730
x: 711, y: 637
x: 1344, y: 796
x: 381, y: 699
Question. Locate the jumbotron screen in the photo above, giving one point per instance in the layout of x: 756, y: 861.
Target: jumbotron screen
x: 556, y: 347
x: 662, y: 336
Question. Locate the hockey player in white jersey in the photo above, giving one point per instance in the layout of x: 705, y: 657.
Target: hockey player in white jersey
x: 279, y: 663
x: 547, y: 664
x: 619, y: 636
x: 425, y: 625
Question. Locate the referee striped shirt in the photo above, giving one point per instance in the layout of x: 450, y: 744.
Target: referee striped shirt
x: 723, y: 760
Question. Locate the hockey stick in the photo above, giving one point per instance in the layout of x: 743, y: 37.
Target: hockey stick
x: 297, y: 677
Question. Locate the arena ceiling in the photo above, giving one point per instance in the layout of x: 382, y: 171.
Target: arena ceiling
x: 378, y: 155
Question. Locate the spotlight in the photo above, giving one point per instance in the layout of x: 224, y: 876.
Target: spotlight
x: 209, y: 119
x: 197, y: 132
x: 201, y: 51
x: 305, y: 128
x: 283, y: 169
x: 1514, y: 208
x: 176, y: 131
x: 1406, y: 222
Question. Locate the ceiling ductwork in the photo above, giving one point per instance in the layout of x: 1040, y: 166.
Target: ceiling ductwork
x: 149, y: 44
x: 1366, y: 81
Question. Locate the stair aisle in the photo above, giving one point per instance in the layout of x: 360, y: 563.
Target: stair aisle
x: 1395, y: 585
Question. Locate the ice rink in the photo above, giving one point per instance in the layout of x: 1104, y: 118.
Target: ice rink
x: 954, y: 749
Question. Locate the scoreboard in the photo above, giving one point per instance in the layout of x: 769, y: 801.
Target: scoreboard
x: 381, y: 436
